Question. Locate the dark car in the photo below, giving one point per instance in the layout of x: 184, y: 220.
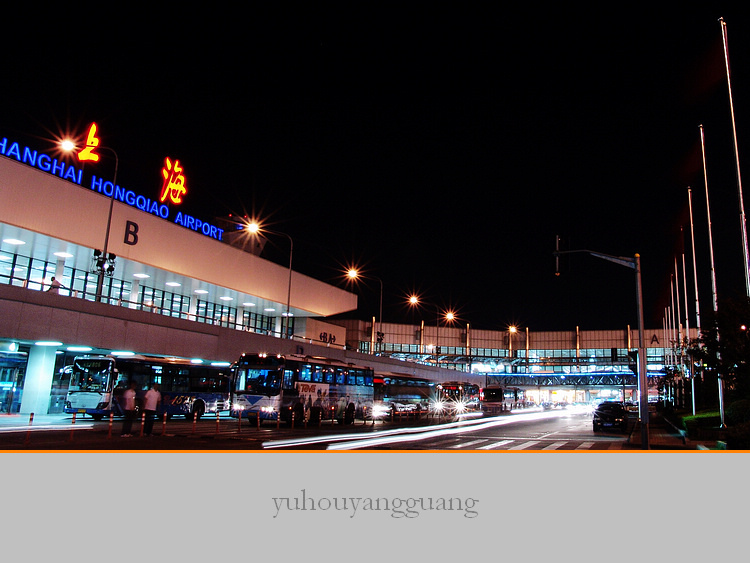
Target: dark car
x: 610, y: 415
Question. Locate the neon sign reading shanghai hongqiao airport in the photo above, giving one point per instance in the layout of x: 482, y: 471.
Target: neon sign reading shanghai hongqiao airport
x: 173, y: 187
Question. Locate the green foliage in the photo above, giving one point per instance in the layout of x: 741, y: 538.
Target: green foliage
x: 694, y: 423
x: 739, y: 437
x: 738, y: 412
x: 725, y: 347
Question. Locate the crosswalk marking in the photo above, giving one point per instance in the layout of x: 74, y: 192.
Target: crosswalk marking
x: 494, y: 445
x: 554, y: 445
x: 525, y: 445
x: 515, y: 444
x: 469, y: 444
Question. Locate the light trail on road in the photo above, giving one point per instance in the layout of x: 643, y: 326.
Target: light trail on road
x: 403, y: 435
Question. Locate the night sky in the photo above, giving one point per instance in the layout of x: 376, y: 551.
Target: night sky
x: 439, y: 148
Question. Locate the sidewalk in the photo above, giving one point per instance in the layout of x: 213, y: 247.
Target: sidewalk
x: 23, y: 420
x: 663, y: 436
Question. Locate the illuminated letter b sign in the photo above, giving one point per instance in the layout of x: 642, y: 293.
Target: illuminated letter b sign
x: 131, y: 233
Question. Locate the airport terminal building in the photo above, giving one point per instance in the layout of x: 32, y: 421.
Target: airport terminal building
x: 138, y: 275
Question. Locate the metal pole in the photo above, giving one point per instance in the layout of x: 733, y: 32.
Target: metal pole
x: 289, y: 286
x: 743, y: 222
x: 642, y: 364
x: 689, y: 367
x: 380, y: 315
x: 695, y: 281
x: 678, y: 323
x: 100, y: 280
x: 695, y: 269
x: 720, y: 381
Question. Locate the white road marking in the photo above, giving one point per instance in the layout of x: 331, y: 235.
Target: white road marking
x: 495, y: 445
x: 525, y: 445
x: 554, y: 445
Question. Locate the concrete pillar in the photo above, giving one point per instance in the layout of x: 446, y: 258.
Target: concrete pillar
x: 193, y: 308
x: 37, y: 384
x: 135, y: 288
x: 277, y: 328
x: 60, y: 269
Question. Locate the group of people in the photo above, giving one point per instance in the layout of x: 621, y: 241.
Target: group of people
x: 151, y: 402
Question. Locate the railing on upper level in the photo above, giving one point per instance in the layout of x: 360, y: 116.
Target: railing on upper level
x: 21, y: 271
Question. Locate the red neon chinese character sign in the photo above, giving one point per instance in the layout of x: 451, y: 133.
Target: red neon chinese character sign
x: 174, y: 182
x: 92, y: 141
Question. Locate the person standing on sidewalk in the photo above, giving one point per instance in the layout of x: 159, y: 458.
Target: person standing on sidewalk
x: 128, y: 405
x: 151, y: 402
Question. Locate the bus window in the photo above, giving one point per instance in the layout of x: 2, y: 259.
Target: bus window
x: 179, y: 384
x: 261, y: 381
x: 305, y: 373
x: 493, y: 395
x: 317, y: 374
x: 240, y: 380
x: 288, y: 379
x: 340, y: 377
x: 91, y: 375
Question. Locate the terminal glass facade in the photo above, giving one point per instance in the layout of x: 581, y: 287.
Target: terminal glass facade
x: 23, y: 271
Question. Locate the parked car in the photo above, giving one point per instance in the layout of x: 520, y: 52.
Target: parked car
x: 611, y: 415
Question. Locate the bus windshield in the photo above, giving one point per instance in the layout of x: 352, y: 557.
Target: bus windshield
x: 493, y: 395
x: 258, y: 381
x: 92, y: 375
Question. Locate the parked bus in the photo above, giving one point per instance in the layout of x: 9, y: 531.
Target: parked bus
x: 492, y: 400
x: 396, y: 393
x: 496, y: 399
x: 98, y: 382
x: 296, y: 389
x: 457, y: 397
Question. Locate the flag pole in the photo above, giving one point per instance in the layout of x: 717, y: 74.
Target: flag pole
x: 713, y: 280
x: 743, y: 223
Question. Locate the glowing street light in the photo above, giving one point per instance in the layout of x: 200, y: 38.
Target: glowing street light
x: 633, y: 263
x: 89, y: 153
x: 449, y: 316
x: 511, y: 331
x: 255, y: 229
x: 353, y: 274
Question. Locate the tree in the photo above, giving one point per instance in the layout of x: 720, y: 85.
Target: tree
x: 725, y: 348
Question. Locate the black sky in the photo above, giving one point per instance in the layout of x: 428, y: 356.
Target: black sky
x: 441, y: 148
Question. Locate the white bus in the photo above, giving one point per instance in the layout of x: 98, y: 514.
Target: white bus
x: 98, y: 382
x: 297, y: 389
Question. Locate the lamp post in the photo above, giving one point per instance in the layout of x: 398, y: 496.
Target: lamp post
x: 635, y: 264
x: 105, y: 255
x: 449, y: 316
x: 511, y: 331
x: 353, y: 274
x: 69, y: 146
x: 255, y: 229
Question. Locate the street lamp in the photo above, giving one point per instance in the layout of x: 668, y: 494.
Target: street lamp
x: 255, y: 229
x: 353, y: 274
x: 511, y: 331
x: 448, y: 315
x: 101, y: 259
x: 635, y: 264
